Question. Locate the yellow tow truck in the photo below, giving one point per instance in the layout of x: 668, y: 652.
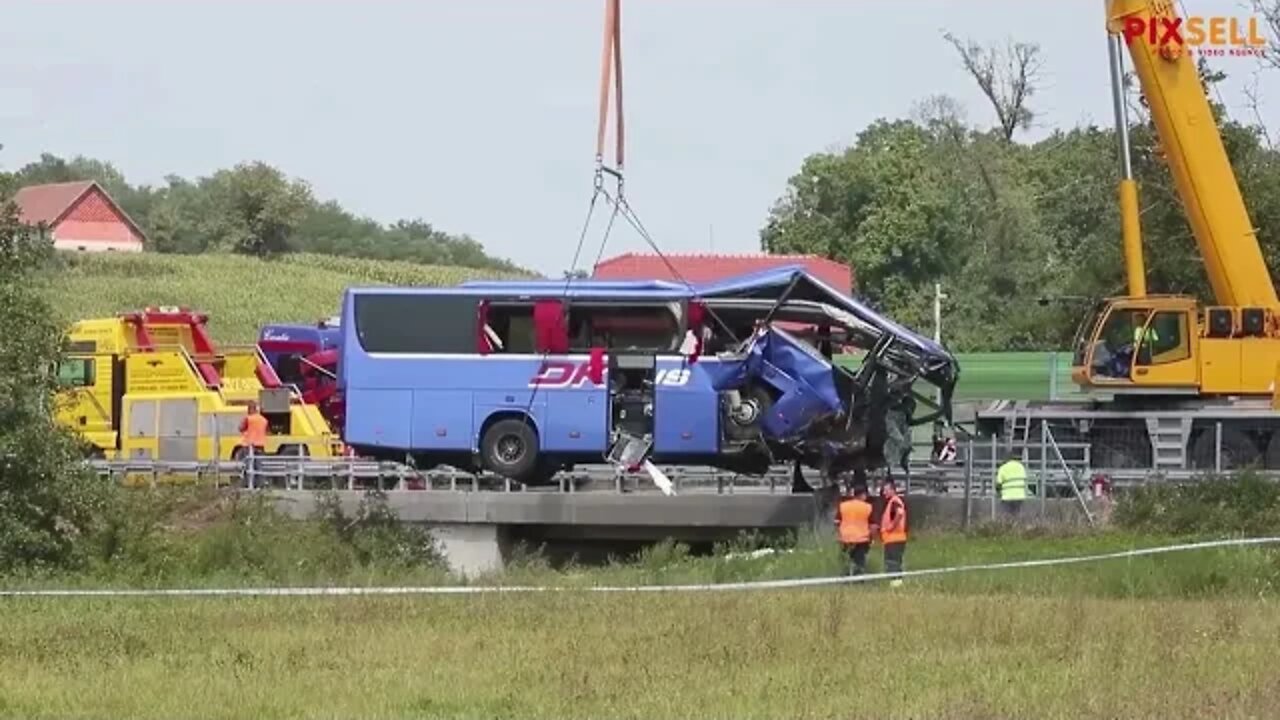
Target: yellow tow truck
x: 151, y: 385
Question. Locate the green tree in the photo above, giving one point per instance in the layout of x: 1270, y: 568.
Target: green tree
x: 257, y: 208
x: 48, y: 502
x: 253, y: 208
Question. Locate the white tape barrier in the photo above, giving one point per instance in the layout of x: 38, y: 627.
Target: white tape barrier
x: 708, y: 587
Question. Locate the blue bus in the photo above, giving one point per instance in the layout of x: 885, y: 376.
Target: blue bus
x: 526, y: 378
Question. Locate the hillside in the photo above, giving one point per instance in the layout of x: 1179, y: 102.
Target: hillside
x: 240, y: 293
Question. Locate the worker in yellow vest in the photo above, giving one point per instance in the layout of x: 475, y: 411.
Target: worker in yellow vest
x: 853, y: 523
x: 893, y: 528
x: 1011, y: 481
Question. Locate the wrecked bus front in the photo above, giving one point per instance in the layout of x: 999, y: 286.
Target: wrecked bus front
x: 811, y: 408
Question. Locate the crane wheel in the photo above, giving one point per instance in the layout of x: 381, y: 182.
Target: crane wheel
x: 1118, y: 453
x: 1238, y: 449
x: 1271, y: 459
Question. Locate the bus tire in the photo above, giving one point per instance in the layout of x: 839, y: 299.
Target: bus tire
x: 510, y: 448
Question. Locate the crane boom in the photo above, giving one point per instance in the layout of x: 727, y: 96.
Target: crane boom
x: 1197, y: 158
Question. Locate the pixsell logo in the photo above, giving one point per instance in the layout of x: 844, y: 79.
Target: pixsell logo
x: 1216, y: 35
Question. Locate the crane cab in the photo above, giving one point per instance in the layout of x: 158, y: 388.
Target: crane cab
x: 1169, y: 345
x: 1139, y: 345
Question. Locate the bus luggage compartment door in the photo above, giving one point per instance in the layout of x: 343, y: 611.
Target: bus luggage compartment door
x: 686, y: 411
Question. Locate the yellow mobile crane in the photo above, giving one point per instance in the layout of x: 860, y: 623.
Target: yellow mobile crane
x: 1172, y: 384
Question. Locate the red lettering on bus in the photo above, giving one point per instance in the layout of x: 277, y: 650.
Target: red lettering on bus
x: 561, y: 373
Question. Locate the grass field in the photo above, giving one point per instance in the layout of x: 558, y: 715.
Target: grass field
x: 241, y: 294
x: 1147, y: 638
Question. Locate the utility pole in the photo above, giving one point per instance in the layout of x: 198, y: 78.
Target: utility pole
x: 938, y: 297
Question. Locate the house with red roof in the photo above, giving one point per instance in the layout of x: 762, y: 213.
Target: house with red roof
x: 700, y: 268
x: 80, y: 216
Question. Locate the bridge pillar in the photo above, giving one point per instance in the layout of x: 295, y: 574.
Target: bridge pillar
x: 471, y: 549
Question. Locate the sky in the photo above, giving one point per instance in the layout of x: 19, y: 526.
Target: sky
x: 479, y: 116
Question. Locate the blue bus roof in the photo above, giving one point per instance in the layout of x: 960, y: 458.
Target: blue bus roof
x: 608, y: 290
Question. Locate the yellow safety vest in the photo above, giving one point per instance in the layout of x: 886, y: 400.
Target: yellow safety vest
x: 1150, y: 333
x: 1012, y: 481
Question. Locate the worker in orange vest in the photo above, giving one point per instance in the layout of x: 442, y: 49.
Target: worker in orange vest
x: 853, y: 523
x: 253, y: 431
x: 893, y: 528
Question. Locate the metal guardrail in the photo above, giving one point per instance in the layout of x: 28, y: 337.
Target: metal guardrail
x: 348, y: 474
x: 1055, y: 467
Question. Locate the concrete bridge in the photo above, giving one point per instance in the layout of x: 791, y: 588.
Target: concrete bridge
x: 479, y: 520
x: 477, y: 531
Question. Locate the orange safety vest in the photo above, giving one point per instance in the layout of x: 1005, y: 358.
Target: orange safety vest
x: 855, y: 521
x: 253, y: 431
x: 888, y: 533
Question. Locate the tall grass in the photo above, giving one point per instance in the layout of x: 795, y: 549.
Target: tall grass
x: 241, y: 294
x: 846, y: 652
x: 1147, y: 637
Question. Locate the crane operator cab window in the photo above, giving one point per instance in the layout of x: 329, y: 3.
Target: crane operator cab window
x: 1164, y: 339
x: 1136, y: 337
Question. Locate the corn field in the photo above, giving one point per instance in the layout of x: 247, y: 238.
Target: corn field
x: 241, y: 294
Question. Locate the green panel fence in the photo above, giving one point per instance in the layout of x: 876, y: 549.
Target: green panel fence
x: 1011, y: 375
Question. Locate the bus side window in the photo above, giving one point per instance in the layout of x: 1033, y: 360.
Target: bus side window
x: 75, y: 372
x: 513, y: 324
x: 644, y: 328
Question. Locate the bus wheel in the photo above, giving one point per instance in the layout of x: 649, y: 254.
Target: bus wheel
x: 510, y: 448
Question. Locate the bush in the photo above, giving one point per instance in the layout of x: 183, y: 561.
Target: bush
x: 48, y: 501
x: 1246, y: 504
x: 376, y: 535
x: 184, y: 535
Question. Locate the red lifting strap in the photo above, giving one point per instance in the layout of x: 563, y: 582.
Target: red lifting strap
x: 611, y: 65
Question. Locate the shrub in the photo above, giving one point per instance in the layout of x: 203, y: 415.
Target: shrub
x: 376, y: 535
x: 48, y: 501
x: 1245, y: 504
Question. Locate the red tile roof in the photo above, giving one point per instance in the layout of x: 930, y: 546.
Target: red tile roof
x: 51, y: 203
x: 48, y: 203
x: 698, y: 268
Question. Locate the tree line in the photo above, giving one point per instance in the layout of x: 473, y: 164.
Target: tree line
x: 1020, y: 234
x: 256, y: 209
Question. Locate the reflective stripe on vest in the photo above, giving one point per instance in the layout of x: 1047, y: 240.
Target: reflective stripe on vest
x: 898, y: 534
x: 855, y: 521
x: 1150, y: 334
x: 1012, y: 481
x: 255, y: 431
